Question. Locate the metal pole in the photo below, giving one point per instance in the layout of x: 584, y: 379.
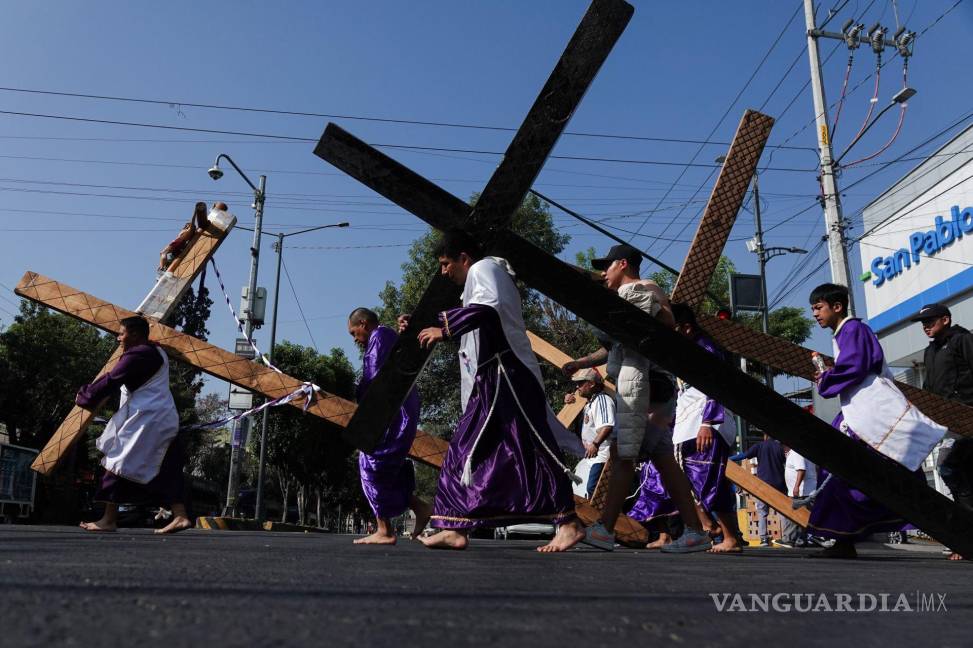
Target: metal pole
x: 236, y: 451
x: 762, y: 259
x: 259, y: 511
x: 837, y: 250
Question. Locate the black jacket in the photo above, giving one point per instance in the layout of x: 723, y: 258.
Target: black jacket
x: 949, y: 365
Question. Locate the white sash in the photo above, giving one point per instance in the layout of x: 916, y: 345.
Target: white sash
x: 136, y: 438
x: 880, y: 414
x: 689, y: 417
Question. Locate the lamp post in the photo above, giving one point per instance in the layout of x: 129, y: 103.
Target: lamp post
x: 764, y: 254
x: 259, y: 196
x: 279, y: 248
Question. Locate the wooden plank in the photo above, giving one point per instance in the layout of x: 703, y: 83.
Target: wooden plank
x: 721, y: 209
x: 202, y: 355
x: 766, y: 493
x: 593, y: 40
x: 158, y: 304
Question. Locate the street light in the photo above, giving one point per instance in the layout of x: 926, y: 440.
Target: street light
x: 279, y: 248
x: 259, y: 196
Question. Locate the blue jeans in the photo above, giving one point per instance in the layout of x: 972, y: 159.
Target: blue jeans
x: 593, y: 476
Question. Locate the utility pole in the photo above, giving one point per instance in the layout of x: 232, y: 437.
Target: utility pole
x: 237, y: 449
x: 258, y: 512
x: 837, y: 242
x: 762, y: 260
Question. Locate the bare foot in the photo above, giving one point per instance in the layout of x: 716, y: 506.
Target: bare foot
x: 659, y: 543
x: 376, y: 539
x: 423, y: 511
x: 446, y: 539
x: 566, y: 537
x: 179, y: 523
x: 729, y: 545
x: 99, y: 527
x: 955, y: 556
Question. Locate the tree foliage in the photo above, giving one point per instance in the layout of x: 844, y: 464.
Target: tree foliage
x: 44, y: 358
x: 305, y: 451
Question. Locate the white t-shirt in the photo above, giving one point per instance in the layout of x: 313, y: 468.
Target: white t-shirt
x: 794, y: 463
x: 599, y: 412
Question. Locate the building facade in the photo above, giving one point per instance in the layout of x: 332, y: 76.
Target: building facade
x: 918, y: 249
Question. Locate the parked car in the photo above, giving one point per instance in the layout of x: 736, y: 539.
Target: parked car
x: 531, y: 530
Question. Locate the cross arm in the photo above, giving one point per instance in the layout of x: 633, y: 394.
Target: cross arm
x: 202, y: 355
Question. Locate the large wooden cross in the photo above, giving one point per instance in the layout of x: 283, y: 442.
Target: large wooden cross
x: 158, y: 304
x: 886, y: 481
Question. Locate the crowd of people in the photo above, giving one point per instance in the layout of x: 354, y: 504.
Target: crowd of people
x: 506, y: 460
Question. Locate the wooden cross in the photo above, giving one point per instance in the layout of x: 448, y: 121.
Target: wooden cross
x: 888, y: 482
x: 737, y: 475
x: 161, y: 301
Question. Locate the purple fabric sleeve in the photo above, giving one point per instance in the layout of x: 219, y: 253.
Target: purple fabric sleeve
x: 380, y: 344
x: 133, y: 370
x: 462, y: 320
x: 860, y: 354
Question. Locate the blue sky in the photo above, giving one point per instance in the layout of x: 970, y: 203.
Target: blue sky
x: 92, y: 204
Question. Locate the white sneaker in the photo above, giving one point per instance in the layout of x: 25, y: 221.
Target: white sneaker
x: 689, y: 542
x: 599, y: 537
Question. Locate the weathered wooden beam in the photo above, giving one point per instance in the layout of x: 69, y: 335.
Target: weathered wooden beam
x: 886, y: 481
x: 201, y: 355
x: 766, y: 493
x: 161, y: 301
x: 600, y: 28
x: 721, y: 209
x: 737, y: 475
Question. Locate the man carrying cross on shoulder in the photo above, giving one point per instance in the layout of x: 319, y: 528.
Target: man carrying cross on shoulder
x: 503, y: 465
x: 634, y: 435
x: 143, y: 458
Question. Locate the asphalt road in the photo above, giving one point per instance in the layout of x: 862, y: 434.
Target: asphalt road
x: 63, y: 587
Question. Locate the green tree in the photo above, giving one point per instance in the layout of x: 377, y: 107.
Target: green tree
x: 305, y: 452
x: 44, y: 358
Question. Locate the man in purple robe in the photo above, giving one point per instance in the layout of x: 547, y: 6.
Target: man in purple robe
x: 387, y: 475
x: 143, y: 458
x: 503, y: 465
x: 839, y: 510
x: 703, y: 437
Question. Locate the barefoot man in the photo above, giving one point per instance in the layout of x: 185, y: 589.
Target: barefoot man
x: 703, y: 436
x: 387, y: 475
x: 143, y: 458
x: 503, y: 465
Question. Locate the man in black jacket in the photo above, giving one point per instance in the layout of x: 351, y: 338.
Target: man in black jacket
x: 949, y: 373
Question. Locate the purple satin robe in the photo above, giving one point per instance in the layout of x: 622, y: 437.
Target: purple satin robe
x: 653, y: 500
x: 514, y: 479
x: 706, y: 471
x: 133, y: 369
x: 387, y: 476
x: 839, y: 510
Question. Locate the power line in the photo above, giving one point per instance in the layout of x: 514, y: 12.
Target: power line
x: 298, y: 302
x: 699, y: 150
x: 410, y: 147
x: 387, y: 120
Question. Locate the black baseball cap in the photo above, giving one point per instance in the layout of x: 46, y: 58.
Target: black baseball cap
x: 622, y: 251
x: 931, y: 311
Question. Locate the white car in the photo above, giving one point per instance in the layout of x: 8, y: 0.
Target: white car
x: 529, y: 530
